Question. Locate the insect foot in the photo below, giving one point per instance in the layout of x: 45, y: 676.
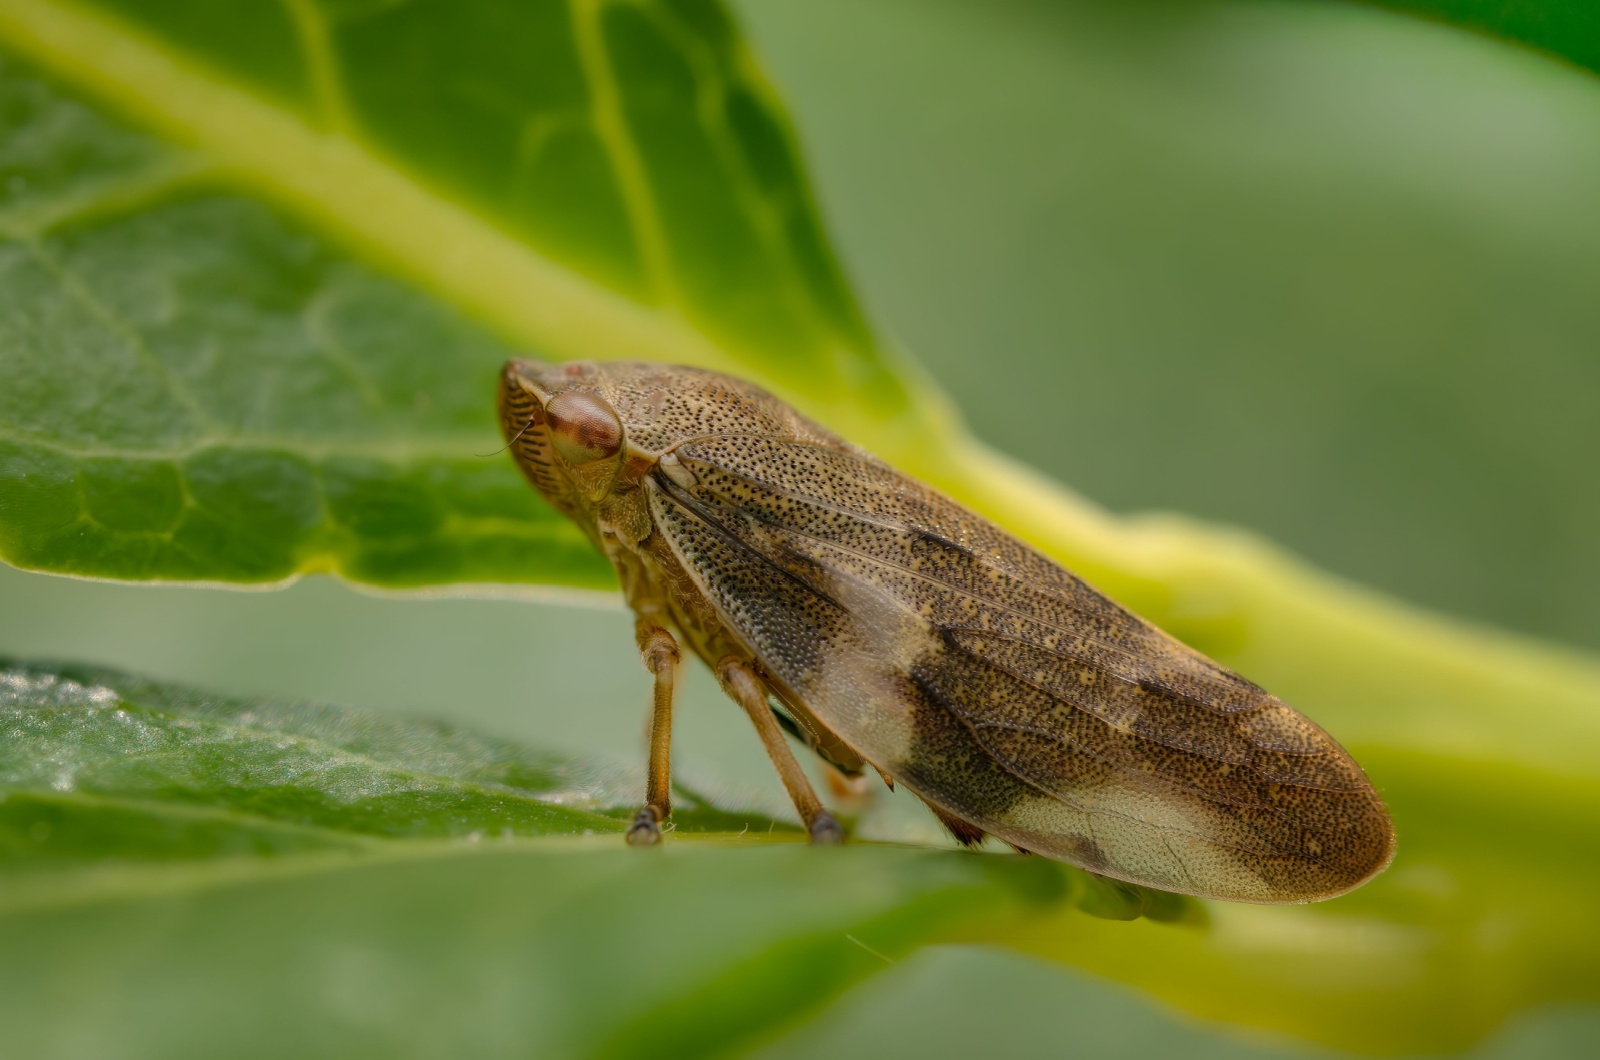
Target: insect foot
x: 825, y: 830
x: 646, y: 828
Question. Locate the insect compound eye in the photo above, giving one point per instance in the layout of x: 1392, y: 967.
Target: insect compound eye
x: 583, y: 428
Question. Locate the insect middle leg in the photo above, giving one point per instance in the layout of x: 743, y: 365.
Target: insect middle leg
x: 741, y: 683
x: 659, y: 650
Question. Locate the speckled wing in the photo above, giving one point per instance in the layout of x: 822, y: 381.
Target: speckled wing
x: 1005, y: 691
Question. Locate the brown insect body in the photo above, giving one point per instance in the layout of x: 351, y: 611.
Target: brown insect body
x: 901, y: 630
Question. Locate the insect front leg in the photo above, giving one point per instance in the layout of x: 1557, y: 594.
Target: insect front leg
x: 745, y: 687
x: 659, y: 650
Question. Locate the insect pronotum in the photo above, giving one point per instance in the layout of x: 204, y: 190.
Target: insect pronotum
x: 896, y: 629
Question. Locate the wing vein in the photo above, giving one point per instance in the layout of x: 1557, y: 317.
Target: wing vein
x: 901, y: 528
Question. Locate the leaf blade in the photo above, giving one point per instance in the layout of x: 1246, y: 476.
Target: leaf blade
x: 147, y: 831
x: 150, y: 59
x: 338, y: 432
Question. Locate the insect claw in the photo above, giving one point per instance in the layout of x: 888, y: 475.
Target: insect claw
x: 646, y: 828
x: 825, y: 830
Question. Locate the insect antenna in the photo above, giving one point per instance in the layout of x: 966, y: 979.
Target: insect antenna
x: 509, y: 444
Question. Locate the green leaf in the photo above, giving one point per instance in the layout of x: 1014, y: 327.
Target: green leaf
x: 152, y: 820
x: 99, y: 764
x: 395, y: 881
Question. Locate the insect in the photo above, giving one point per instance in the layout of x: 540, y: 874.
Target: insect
x: 896, y: 629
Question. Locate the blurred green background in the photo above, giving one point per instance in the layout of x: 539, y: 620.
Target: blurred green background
x: 1320, y: 271
x: 1324, y: 272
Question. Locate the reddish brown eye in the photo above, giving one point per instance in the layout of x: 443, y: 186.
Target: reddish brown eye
x: 583, y: 428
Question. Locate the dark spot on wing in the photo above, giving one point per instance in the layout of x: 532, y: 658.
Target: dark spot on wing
x: 947, y: 758
x: 928, y: 541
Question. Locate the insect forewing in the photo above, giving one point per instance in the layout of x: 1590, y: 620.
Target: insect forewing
x: 1004, y: 690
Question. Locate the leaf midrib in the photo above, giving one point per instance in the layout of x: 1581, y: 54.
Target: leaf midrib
x: 101, y: 884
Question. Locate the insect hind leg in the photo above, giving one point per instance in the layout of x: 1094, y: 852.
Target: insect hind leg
x: 745, y: 688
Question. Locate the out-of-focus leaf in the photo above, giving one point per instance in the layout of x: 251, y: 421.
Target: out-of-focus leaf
x: 1568, y: 28
x: 925, y: 1008
x: 1322, y: 270
x: 404, y: 887
x: 518, y: 949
